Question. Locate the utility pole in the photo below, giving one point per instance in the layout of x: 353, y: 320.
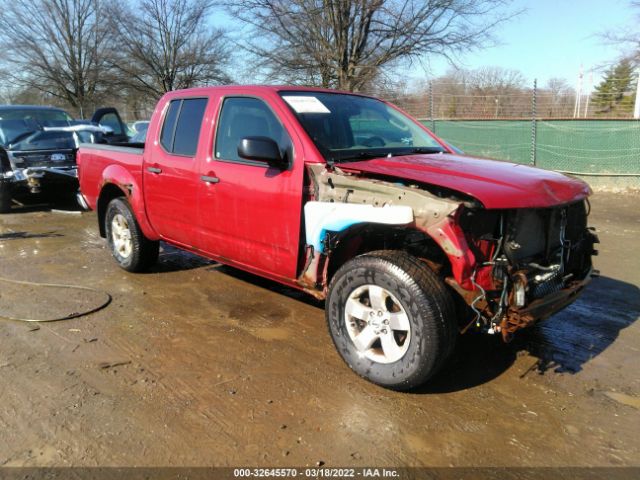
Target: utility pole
x: 576, y: 108
x: 589, y: 88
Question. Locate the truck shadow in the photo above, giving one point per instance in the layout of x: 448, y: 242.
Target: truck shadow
x: 568, y: 340
x: 562, y: 343
x: 269, y: 285
x: 173, y: 259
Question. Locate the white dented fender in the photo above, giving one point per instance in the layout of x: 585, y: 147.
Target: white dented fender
x: 323, y: 217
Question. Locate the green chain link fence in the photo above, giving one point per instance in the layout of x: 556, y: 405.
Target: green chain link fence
x: 609, y: 149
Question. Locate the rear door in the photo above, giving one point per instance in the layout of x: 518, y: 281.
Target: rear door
x: 250, y: 212
x: 171, y: 176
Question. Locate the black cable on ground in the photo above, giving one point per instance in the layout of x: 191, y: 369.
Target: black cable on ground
x: 104, y: 304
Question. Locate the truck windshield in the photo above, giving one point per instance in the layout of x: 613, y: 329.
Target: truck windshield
x: 16, y: 123
x: 49, y: 141
x: 350, y: 127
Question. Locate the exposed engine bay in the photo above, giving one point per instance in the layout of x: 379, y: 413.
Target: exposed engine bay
x: 526, y: 257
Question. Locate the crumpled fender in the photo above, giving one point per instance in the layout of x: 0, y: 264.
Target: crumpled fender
x: 450, y: 237
x: 123, y: 179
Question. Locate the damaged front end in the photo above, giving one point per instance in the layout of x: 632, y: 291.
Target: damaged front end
x: 511, y: 267
x: 530, y: 263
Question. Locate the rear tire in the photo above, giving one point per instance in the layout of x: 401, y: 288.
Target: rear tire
x: 391, y: 319
x: 132, y: 250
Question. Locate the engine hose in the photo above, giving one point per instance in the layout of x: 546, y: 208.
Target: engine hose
x: 104, y: 304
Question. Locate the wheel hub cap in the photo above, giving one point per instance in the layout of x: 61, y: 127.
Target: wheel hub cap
x: 377, y: 324
x: 121, y: 235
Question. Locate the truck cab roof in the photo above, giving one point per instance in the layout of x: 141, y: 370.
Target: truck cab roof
x: 256, y: 89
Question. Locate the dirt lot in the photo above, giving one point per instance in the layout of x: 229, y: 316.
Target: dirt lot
x: 200, y: 364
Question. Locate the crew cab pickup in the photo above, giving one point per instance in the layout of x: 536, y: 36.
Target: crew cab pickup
x: 349, y: 199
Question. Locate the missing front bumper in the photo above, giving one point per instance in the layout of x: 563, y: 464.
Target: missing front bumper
x: 542, y: 308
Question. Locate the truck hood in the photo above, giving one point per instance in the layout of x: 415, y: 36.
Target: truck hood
x: 496, y: 184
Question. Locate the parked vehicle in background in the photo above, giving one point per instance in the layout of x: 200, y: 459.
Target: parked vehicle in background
x: 141, y: 128
x: 139, y: 137
x: 347, y: 198
x: 38, y: 147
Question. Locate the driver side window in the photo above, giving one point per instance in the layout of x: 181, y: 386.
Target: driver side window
x: 243, y: 117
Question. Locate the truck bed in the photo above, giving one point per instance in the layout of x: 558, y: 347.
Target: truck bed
x: 96, y: 160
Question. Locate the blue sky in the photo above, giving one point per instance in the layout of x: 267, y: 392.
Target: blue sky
x: 551, y: 39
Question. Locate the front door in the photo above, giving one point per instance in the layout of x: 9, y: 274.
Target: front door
x: 250, y: 212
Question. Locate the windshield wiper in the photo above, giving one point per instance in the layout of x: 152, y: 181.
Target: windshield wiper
x: 422, y: 150
x: 362, y: 156
x: 20, y: 137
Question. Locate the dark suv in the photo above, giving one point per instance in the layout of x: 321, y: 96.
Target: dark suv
x: 38, y: 146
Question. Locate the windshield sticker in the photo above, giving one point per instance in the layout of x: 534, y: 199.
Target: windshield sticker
x: 306, y: 104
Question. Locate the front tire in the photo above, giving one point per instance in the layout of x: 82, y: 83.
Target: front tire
x: 391, y: 319
x: 132, y: 250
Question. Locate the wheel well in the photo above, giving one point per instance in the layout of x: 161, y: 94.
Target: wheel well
x: 108, y: 193
x: 370, y: 237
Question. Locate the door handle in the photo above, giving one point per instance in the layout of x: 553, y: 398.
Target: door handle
x: 155, y: 170
x: 209, y: 179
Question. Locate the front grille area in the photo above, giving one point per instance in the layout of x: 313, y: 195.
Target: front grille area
x: 47, y: 158
x: 530, y: 263
x: 539, y: 235
x: 550, y: 246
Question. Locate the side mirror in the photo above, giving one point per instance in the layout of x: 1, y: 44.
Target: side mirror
x: 261, y: 149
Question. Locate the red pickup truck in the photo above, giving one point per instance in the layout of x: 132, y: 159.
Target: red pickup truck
x: 351, y: 200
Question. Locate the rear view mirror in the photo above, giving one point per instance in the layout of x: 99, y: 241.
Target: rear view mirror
x: 261, y: 149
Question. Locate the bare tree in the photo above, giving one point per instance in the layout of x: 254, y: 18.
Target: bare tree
x: 347, y: 43
x: 627, y: 38
x: 163, y: 45
x: 56, y: 47
x: 556, y: 99
x: 488, y: 92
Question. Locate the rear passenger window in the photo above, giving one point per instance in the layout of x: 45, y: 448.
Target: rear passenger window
x: 247, y: 117
x: 169, y: 126
x: 182, y: 125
